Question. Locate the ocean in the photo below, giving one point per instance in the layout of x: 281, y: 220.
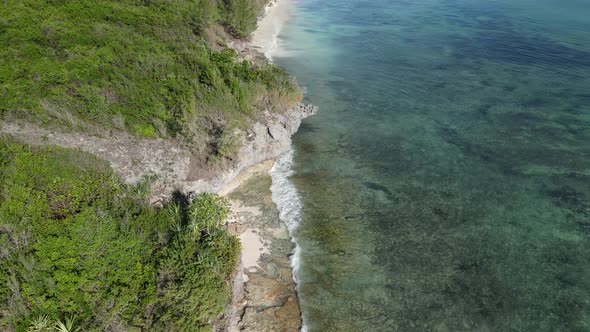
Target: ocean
x: 445, y: 183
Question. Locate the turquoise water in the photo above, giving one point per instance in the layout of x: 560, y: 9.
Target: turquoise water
x: 445, y: 182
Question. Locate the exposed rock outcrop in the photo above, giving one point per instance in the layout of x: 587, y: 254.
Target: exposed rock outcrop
x: 172, y: 163
x: 266, y: 140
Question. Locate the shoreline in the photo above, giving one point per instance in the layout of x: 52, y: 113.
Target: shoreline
x: 265, y: 39
x: 271, y: 296
x: 264, y: 296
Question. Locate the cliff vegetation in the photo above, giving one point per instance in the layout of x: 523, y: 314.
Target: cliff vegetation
x: 80, y: 250
x: 155, y: 68
x: 77, y: 247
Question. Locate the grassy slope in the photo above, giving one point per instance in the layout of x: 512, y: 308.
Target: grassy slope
x: 76, y: 242
x: 139, y: 65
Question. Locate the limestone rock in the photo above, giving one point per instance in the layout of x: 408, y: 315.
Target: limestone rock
x: 171, y: 162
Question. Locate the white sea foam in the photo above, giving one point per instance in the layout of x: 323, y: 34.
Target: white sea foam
x: 289, y: 204
x: 284, y: 194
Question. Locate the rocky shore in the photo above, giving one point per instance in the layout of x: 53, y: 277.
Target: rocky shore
x: 264, y: 296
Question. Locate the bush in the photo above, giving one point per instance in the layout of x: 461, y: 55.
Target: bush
x: 241, y: 16
x: 204, y: 14
x: 75, y: 242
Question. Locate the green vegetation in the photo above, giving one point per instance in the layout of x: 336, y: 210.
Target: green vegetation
x: 153, y: 68
x: 241, y: 15
x: 79, y: 250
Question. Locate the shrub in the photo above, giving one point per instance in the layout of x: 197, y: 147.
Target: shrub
x: 241, y: 16
x: 75, y: 242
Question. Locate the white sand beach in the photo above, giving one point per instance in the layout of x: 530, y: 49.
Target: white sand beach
x: 266, y: 37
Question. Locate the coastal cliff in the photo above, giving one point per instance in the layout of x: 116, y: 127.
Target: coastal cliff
x: 263, y: 290
x: 224, y: 114
x: 171, y: 164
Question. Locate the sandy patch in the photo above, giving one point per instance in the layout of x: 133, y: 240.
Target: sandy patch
x: 252, y: 249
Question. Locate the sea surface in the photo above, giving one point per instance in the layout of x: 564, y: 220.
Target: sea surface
x: 445, y: 183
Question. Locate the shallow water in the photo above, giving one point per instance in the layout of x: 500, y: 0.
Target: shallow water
x: 445, y: 182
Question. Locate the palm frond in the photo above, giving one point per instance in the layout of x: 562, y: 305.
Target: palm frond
x: 67, y: 326
x: 39, y: 323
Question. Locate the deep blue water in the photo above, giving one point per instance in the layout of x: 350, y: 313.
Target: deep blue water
x: 446, y: 180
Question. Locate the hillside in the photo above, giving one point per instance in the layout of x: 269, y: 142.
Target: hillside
x: 152, y: 68
x: 144, y: 85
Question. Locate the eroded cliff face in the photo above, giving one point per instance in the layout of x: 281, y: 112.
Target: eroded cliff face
x: 173, y: 165
x: 266, y: 139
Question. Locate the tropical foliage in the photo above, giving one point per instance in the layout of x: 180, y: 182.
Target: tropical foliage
x: 149, y: 67
x: 80, y: 250
x: 240, y: 15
